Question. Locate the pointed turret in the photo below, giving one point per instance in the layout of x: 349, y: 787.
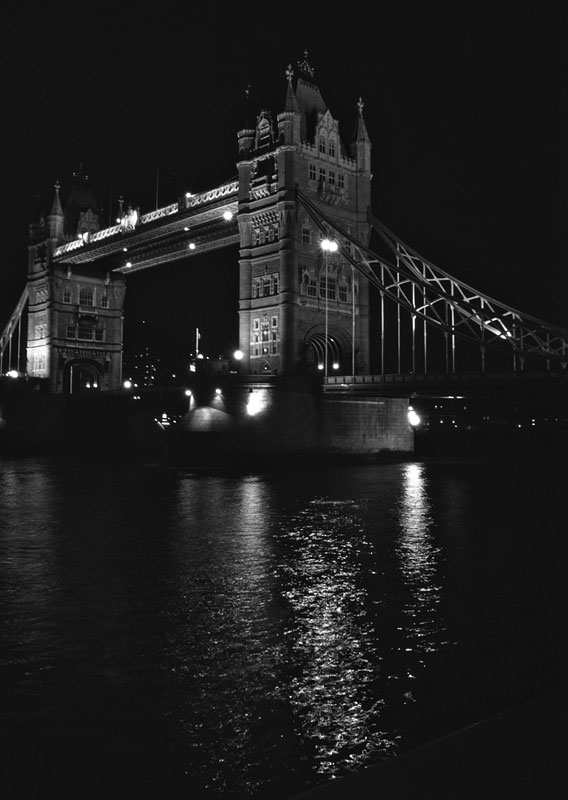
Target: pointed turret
x: 55, y: 220
x: 246, y: 134
x: 361, y: 144
x: 82, y: 213
x: 289, y: 119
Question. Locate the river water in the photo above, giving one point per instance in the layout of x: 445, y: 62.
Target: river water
x: 172, y: 634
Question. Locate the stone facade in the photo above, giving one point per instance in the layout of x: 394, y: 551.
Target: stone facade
x: 74, y: 316
x: 295, y: 301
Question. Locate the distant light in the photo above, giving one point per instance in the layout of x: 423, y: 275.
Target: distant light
x: 186, y: 228
x: 127, y: 384
x: 192, y: 246
x: 200, y: 355
x: 125, y: 249
x: 320, y: 366
x: 217, y: 391
x: 329, y: 245
x: 238, y: 354
x: 335, y: 365
x: 118, y: 220
x: 188, y: 392
x: 13, y: 373
x: 129, y: 263
x: 188, y: 195
x: 413, y: 417
x: 227, y: 215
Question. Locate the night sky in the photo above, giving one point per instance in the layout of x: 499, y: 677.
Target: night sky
x: 465, y: 105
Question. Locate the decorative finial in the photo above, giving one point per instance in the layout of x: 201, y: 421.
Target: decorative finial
x: 360, y: 106
x: 289, y: 73
x: 305, y: 66
x: 247, y: 92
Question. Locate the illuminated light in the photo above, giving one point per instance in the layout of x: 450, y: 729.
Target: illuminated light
x: 320, y: 366
x: 255, y: 404
x: 217, y: 391
x: 329, y: 245
x: 188, y: 195
x: 118, y: 220
x: 413, y: 417
x: 186, y: 228
x: 13, y: 373
x: 200, y: 355
x: 227, y: 215
x: 129, y: 263
x: 127, y: 384
x: 79, y: 236
x: 125, y: 249
x: 238, y: 354
x: 192, y: 246
x: 88, y: 385
x: 335, y: 365
x: 95, y: 385
x: 188, y: 393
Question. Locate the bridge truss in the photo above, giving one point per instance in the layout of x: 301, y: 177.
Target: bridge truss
x: 432, y: 300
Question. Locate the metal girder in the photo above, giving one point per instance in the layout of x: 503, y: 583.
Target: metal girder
x: 442, y: 301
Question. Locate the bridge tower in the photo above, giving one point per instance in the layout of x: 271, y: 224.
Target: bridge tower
x: 301, y: 309
x: 74, y: 313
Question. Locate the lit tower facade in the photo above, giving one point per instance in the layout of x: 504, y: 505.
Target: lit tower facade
x: 75, y: 313
x: 302, y: 308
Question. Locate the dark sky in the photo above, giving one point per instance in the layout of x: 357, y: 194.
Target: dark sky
x: 465, y: 105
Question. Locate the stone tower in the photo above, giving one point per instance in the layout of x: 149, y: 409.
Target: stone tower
x: 74, y: 315
x: 300, y: 307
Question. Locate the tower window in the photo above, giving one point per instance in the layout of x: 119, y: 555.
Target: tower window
x: 330, y: 287
x: 86, y: 296
x: 71, y: 331
x: 331, y: 178
x: 104, y: 301
x: 341, y: 180
x: 312, y: 172
x: 67, y: 295
x: 321, y: 144
x: 331, y: 148
x: 306, y: 235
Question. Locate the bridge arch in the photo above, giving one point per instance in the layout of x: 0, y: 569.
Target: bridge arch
x: 81, y: 376
x: 338, y: 346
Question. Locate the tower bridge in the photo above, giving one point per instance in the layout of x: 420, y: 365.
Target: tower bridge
x: 303, y: 310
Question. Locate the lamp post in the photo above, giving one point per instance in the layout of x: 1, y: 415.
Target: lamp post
x: 328, y: 246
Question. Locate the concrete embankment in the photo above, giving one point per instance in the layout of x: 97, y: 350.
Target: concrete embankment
x: 521, y: 753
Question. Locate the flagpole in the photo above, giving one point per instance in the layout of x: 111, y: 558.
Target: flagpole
x: 157, y: 184
x: 196, y: 342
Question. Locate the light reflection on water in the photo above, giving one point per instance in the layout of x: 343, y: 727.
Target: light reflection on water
x: 330, y: 638
x: 247, y: 636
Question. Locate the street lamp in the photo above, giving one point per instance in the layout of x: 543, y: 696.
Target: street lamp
x: 328, y: 246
